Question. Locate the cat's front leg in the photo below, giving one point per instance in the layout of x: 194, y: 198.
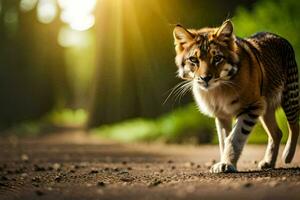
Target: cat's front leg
x: 223, y: 129
x: 236, y: 140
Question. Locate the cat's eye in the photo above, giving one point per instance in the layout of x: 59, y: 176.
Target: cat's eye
x: 193, y: 59
x: 217, y: 59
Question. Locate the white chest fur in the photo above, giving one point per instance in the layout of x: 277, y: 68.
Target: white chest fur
x: 216, y: 102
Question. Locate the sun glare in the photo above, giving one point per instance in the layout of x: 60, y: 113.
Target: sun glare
x: 78, y: 13
x: 46, y: 11
x: 27, y: 5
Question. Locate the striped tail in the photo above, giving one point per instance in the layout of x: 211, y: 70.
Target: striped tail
x: 291, y: 107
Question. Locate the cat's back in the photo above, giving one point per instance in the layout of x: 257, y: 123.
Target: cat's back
x: 277, y: 60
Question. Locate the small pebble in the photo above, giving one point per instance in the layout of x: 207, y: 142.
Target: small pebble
x: 273, y: 183
x: 247, y: 185
x: 170, y: 161
x: 56, y: 166
x: 58, y: 178
x: 154, y: 183
x: 4, y: 178
x: 24, y: 157
x: 94, y: 171
x: 101, y: 184
x: 127, y: 179
x: 38, y: 168
x: 189, y: 164
x: 116, y: 169
x: 36, y: 179
x: 124, y: 162
x: 39, y: 192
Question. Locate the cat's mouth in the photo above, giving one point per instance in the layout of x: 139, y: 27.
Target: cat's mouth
x: 206, y: 85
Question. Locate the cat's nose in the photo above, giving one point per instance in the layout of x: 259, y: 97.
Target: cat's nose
x: 206, y: 78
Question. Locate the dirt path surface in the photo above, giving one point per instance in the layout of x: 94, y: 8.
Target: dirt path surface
x: 73, y: 166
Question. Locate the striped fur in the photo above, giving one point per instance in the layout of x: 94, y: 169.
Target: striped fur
x: 242, y: 78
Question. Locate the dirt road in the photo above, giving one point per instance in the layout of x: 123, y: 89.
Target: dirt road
x: 78, y: 167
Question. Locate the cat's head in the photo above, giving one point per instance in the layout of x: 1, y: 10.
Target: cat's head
x: 206, y: 56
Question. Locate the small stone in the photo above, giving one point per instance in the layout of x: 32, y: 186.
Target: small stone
x: 247, y: 185
x: 4, y: 178
x: 57, y: 166
x: 72, y: 171
x: 170, y: 161
x: 106, y: 169
x: 255, y: 162
x: 161, y: 170
x: 129, y: 168
x: 35, y: 184
x: 124, y: 162
x: 2, y: 184
x: 94, y: 171
x: 39, y: 192
x: 127, y: 179
x: 58, y: 178
x: 101, y: 184
x: 24, y: 157
x: 173, y: 167
x: 189, y: 164
x: 36, y: 179
x: 273, y: 183
x: 116, y: 169
x: 38, y: 168
x: 89, y: 185
x: 198, y: 166
x: 24, y: 175
x: 284, y: 178
x: 76, y: 166
x: 154, y: 183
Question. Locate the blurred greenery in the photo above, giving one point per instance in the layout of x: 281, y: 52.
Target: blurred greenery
x: 280, y: 17
x: 183, y: 125
x: 53, y: 121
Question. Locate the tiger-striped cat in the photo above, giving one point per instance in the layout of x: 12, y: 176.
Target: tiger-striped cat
x: 242, y: 78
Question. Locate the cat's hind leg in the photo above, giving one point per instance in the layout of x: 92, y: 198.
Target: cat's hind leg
x: 268, y: 120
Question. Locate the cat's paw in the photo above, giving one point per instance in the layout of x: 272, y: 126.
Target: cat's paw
x: 222, y: 168
x: 265, y: 165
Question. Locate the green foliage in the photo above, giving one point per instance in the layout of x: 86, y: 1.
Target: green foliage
x: 179, y: 126
x: 186, y: 125
x: 183, y: 125
x: 66, y: 117
x: 280, y: 17
x: 52, y: 120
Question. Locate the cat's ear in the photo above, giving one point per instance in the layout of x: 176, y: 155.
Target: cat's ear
x: 225, y: 31
x: 182, y: 36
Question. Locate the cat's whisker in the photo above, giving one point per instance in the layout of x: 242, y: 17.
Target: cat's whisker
x: 174, y: 90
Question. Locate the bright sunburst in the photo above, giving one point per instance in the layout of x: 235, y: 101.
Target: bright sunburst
x: 78, y: 14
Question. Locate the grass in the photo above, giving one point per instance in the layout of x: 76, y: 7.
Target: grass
x: 183, y: 125
x: 56, y: 118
